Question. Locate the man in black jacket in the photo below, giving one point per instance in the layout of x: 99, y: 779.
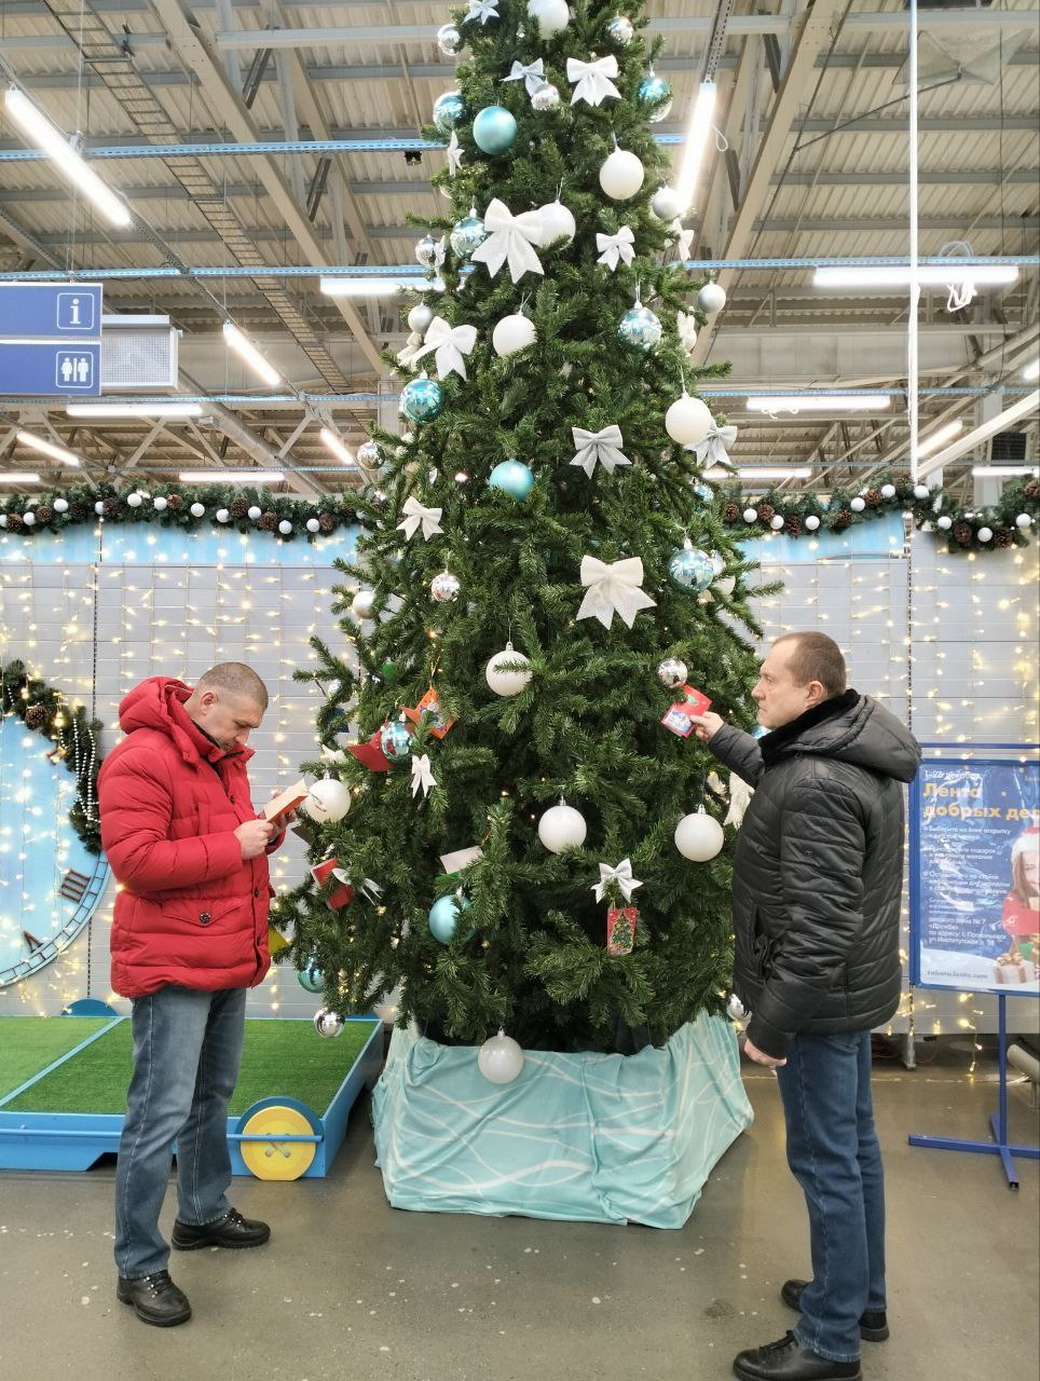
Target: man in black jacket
x: 816, y: 900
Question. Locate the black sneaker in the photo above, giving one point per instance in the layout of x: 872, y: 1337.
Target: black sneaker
x: 873, y: 1323
x: 155, y: 1298
x: 230, y: 1231
x: 788, y: 1360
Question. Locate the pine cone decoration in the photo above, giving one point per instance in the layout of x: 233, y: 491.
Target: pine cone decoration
x: 44, y: 514
x: 326, y: 522
x: 872, y: 498
x: 239, y: 508
x: 78, y: 513
x: 111, y: 508
x: 174, y: 502
x: 1032, y: 489
x: 793, y: 526
x: 36, y: 716
x: 902, y: 479
x: 14, y: 523
x: 766, y: 512
x: 842, y: 519
x: 731, y: 513
x: 963, y: 532
x: 268, y: 521
x: 1004, y: 537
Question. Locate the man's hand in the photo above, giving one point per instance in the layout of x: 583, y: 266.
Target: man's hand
x: 253, y: 837
x: 760, y: 1057
x: 706, y: 725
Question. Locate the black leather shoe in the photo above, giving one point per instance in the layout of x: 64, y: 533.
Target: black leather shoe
x: 155, y: 1299
x: 788, y: 1360
x: 230, y: 1231
x: 873, y: 1323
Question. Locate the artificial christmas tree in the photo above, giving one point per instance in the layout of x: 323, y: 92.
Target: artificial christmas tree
x: 542, y: 551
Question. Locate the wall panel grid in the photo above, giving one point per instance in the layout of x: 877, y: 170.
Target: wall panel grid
x: 948, y: 643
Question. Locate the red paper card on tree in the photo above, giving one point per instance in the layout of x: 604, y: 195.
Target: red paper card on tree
x: 621, y: 929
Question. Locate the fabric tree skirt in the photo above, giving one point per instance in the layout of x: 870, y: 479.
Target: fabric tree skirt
x: 593, y: 1138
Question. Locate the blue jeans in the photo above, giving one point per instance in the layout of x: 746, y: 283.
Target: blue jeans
x: 187, y: 1049
x: 833, y: 1152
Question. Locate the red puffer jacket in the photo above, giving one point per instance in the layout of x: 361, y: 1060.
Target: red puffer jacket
x: 189, y: 910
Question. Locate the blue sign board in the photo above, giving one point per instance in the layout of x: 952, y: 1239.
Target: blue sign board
x: 50, y: 311
x: 50, y: 369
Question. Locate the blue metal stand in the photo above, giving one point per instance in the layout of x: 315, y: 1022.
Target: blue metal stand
x: 998, y: 1123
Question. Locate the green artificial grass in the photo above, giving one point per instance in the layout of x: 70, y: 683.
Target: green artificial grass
x: 29, y: 1044
x: 280, y: 1059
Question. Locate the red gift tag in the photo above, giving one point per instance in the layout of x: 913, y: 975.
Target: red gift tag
x: 678, y: 716
x: 621, y: 929
x: 430, y: 707
x: 330, y: 871
x: 371, y: 754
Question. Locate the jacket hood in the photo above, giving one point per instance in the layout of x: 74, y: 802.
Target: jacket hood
x: 850, y: 728
x: 158, y: 703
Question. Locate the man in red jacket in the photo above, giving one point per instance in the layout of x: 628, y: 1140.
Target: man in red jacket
x: 189, y: 937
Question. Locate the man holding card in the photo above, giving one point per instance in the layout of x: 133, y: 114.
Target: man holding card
x: 817, y: 887
x: 189, y: 937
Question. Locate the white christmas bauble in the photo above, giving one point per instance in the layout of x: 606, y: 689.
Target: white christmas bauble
x: 858, y: 504
x: 313, y: 525
x: 557, y: 223
x: 750, y: 515
x: 133, y: 500
x: 254, y: 512
x: 921, y: 491
x: 420, y: 317
x: 327, y: 801
x: 552, y: 15
x: 945, y: 522
x: 159, y: 504
x: 776, y: 522
x: 667, y: 204
x: 812, y: 522
x: 197, y: 510
x: 699, y: 836
x: 285, y: 527
x: 687, y: 421
x: 985, y: 534
x: 711, y: 299
x: 361, y: 604
x: 562, y: 827
x: 29, y: 518
x: 222, y: 515
x: 500, y: 1059
x: 888, y: 491
x: 506, y: 682
x: 514, y: 332
x: 547, y: 97
x: 62, y: 506
x: 622, y: 174
x: 1023, y: 520
x: 99, y: 508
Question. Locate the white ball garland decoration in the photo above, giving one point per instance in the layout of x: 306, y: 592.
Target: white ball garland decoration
x: 254, y: 512
x: 777, y: 521
x: 562, y: 827
x: 29, y: 518
x: 99, y: 509
x: 133, y: 500
x: 313, y: 525
x: 197, y: 510
x: 62, y: 506
x: 1023, y: 521
x: 812, y: 522
x: 944, y: 523
x: 858, y: 504
x: 888, y: 491
x: 750, y: 515
x: 285, y: 527
x: 985, y: 534
x: 159, y: 504
x: 222, y: 515
x: 921, y: 491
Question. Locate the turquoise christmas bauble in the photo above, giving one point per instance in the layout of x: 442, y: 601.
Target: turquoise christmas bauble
x: 396, y: 742
x: 494, y: 129
x: 422, y: 399
x: 654, y: 91
x: 311, y: 978
x: 466, y: 235
x: 639, y: 329
x: 444, y: 917
x: 691, y: 569
x: 513, y: 477
x: 448, y: 110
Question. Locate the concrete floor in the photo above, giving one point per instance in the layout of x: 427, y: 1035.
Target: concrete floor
x: 349, y: 1288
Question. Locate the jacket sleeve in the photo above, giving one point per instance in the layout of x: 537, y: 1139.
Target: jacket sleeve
x: 136, y: 805
x: 739, y: 751
x: 822, y: 846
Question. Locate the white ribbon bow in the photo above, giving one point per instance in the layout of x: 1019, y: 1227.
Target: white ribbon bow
x: 366, y: 887
x: 592, y: 80
x: 450, y: 343
x: 406, y: 357
x: 532, y: 76
x: 616, y: 248
x: 622, y: 875
x: 685, y: 239
x: 686, y: 325
x: 482, y: 10
x: 510, y: 238
x: 613, y: 589
x: 603, y: 446
x: 712, y: 450
x: 422, y: 778
x: 454, y: 153
x: 740, y: 795
x: 416, y: 516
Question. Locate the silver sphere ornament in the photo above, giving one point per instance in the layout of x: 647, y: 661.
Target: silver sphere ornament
x: 672, y: 672
x: 449, y: 40
x: 328, y: 1023
x: 562, y: 827
x: 426, y: 251
x: 494, y: 130
x: 547, y: 97
x: 508, y: 672
x: 735, y: 1009
x: 466, y: 235
x: 666, y: 204
x: 500, y: 1059
x: 639, y: 328
x: 445, y: 587
x: 420, y: 316
x: 621, y: 30
x: 690, y: 569
x: 422, y: 399
x: 655, y: 93
x: 396, y: 742
x: 362, y: 604
x: 368, y: 453
x: 711, y: 299
x: 448, y: 110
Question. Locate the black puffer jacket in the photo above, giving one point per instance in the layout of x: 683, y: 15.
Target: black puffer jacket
x: 818, y: 872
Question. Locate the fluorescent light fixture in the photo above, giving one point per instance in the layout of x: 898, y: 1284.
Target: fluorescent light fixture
x: 898, y: 276
x: 171, y: 409
x: 808, y: 402
x: 19, y: 477
x: 36, y: 125
x: 775, y: 472
x: 336, y: 446
x: 243, y: 346
x: 1005, y: 471
x: 369, y: 287
x: 47, y: 448
x: 940, y: 438
x: 1032, y: 371
x: 697, y: 137
x: 231, y: 476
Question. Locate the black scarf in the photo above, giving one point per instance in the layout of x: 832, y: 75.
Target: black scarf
x: 772, y: 744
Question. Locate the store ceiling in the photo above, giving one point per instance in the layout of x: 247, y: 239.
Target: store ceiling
x: 812, y: 104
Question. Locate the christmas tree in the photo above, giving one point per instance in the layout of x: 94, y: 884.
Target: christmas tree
x: 544, y: 587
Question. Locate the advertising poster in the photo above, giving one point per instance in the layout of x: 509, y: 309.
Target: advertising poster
x: 975, y: 876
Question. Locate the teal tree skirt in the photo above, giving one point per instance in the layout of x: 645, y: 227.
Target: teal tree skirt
x: 591, y: 1138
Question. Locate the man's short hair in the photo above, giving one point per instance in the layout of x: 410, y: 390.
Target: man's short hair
x: 237, y: 678
x: 815, y: 657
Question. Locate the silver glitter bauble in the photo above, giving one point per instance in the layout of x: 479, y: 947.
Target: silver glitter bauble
x: 368, y: 453
x: 621, y: 30
x: 445, y: 587
x: 449, y: 40
x: 328, y: 1023
x: 639, y: 328
x: 671, y: 672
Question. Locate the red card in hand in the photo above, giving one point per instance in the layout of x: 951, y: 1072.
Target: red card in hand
x: 678, y: 717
